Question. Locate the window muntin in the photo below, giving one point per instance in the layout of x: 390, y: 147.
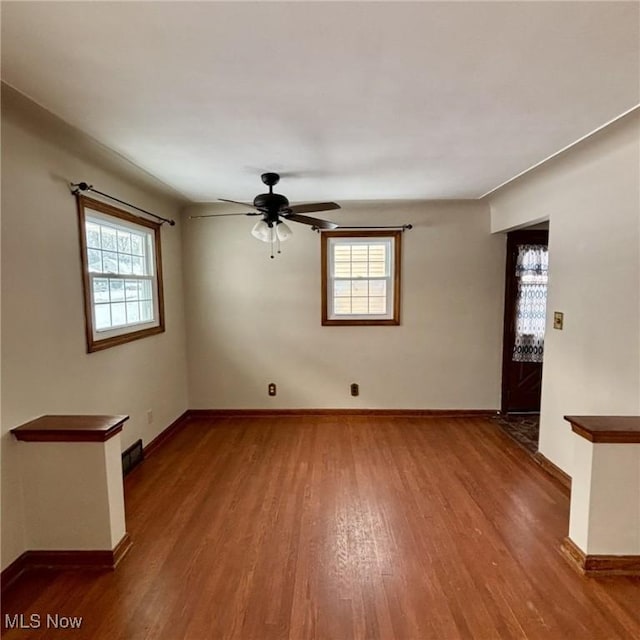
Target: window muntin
x: 361, y: 277
x: 122, y: 275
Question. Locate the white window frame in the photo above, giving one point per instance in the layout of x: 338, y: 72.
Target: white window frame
x: 331, y: 239
x: 90, y: 210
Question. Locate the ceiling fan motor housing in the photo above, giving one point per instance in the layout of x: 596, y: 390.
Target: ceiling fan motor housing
x: 270, y: 202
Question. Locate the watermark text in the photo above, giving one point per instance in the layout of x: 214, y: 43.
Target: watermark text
x: 39, y: 621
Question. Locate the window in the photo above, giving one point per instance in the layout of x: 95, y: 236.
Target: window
x: 361, y: 277
x: 122, y: 275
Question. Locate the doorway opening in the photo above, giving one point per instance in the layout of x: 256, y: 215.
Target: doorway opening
x: 527, y: 269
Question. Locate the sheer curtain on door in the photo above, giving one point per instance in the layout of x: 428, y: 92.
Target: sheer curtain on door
x: 532, y: 267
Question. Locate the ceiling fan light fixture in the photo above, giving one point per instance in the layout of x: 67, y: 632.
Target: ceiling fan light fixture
x: 262, y: 231
x: 283, y: 231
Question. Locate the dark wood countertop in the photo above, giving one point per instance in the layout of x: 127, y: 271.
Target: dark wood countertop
x: 614, y: 429
x: 76, y: 428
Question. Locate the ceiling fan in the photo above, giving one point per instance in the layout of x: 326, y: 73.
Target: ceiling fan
x: 274, y: 209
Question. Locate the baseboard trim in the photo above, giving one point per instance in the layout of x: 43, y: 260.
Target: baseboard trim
x: 400, y: 413
x: 553, y: 470
x: 81, y: 559
x: 600, y: 565
x: 166, y: 434
x: 85, y: 560
x: 121, y: 549
x: 12, y: 572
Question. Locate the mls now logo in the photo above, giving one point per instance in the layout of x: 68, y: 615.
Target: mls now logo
x: 35, y: 621
x: 21, y: 621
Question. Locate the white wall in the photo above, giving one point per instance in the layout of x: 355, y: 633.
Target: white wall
x: 64, y: 513
x: 605, y: 498
x: 45, y: 366
x: 591, y: 195
x: 252, y: 320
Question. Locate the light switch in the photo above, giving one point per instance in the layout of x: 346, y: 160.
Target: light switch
x: 558, y: 320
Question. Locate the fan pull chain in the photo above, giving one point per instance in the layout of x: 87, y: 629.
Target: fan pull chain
x: 271, y: 244
x: 278, y: 243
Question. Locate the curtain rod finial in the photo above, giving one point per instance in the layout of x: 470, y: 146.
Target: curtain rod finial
x: 80, y: 186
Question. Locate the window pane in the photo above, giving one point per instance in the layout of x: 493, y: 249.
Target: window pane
x: 146, y: 290
x: 378, y: 269
x: 137, y: 244
x: 118, y: 314
x: 100, y: 290
x: 93, y: 235
x: 117, y: 290
x: 342, y: 253
x: 377, y: 305
x: 342, y: 288
x: 359, y: 253
x: 108, y: 238
x: 109, y: 262
x: 360, y: 288
x: 94, y: 258
x: 359, y: 270
x: 149, y: 252
x: 146, y: 311
x: 377, y: 287
x: 342, y: 270
x: 137, y: 266
x: 377, y: 252
x: 342, y: 305
x: 133, y: 312
x: 124, y: 263
x: 132, y: 289
x: 359, y: 305
x: 103, y: 316
x: 124, y: 242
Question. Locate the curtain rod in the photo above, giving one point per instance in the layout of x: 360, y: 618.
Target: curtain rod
x: 399, y: 227
x: 76, y: 188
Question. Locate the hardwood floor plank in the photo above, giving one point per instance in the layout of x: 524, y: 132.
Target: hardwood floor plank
x: 338, y: 527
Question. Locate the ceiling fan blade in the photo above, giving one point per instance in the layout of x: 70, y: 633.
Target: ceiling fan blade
x: 314, y: 206
x: 244, y: 204
x: 222, y: 215
x: 314, y: 222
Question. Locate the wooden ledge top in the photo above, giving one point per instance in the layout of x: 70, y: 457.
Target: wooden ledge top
x: 70, y: 428
x: 614, y: 429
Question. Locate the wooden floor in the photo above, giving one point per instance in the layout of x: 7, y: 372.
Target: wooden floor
x: 342, y: 528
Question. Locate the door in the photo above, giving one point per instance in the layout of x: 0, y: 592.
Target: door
x: 524, y: 320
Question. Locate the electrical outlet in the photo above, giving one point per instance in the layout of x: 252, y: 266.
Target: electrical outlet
x: 355, y: 389
x: 272, y: 388
x: 149, y: 416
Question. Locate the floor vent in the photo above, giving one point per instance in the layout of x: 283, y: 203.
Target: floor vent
x: 132, y: 457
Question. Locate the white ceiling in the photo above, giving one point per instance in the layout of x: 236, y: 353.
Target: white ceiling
x: 347, y: 100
